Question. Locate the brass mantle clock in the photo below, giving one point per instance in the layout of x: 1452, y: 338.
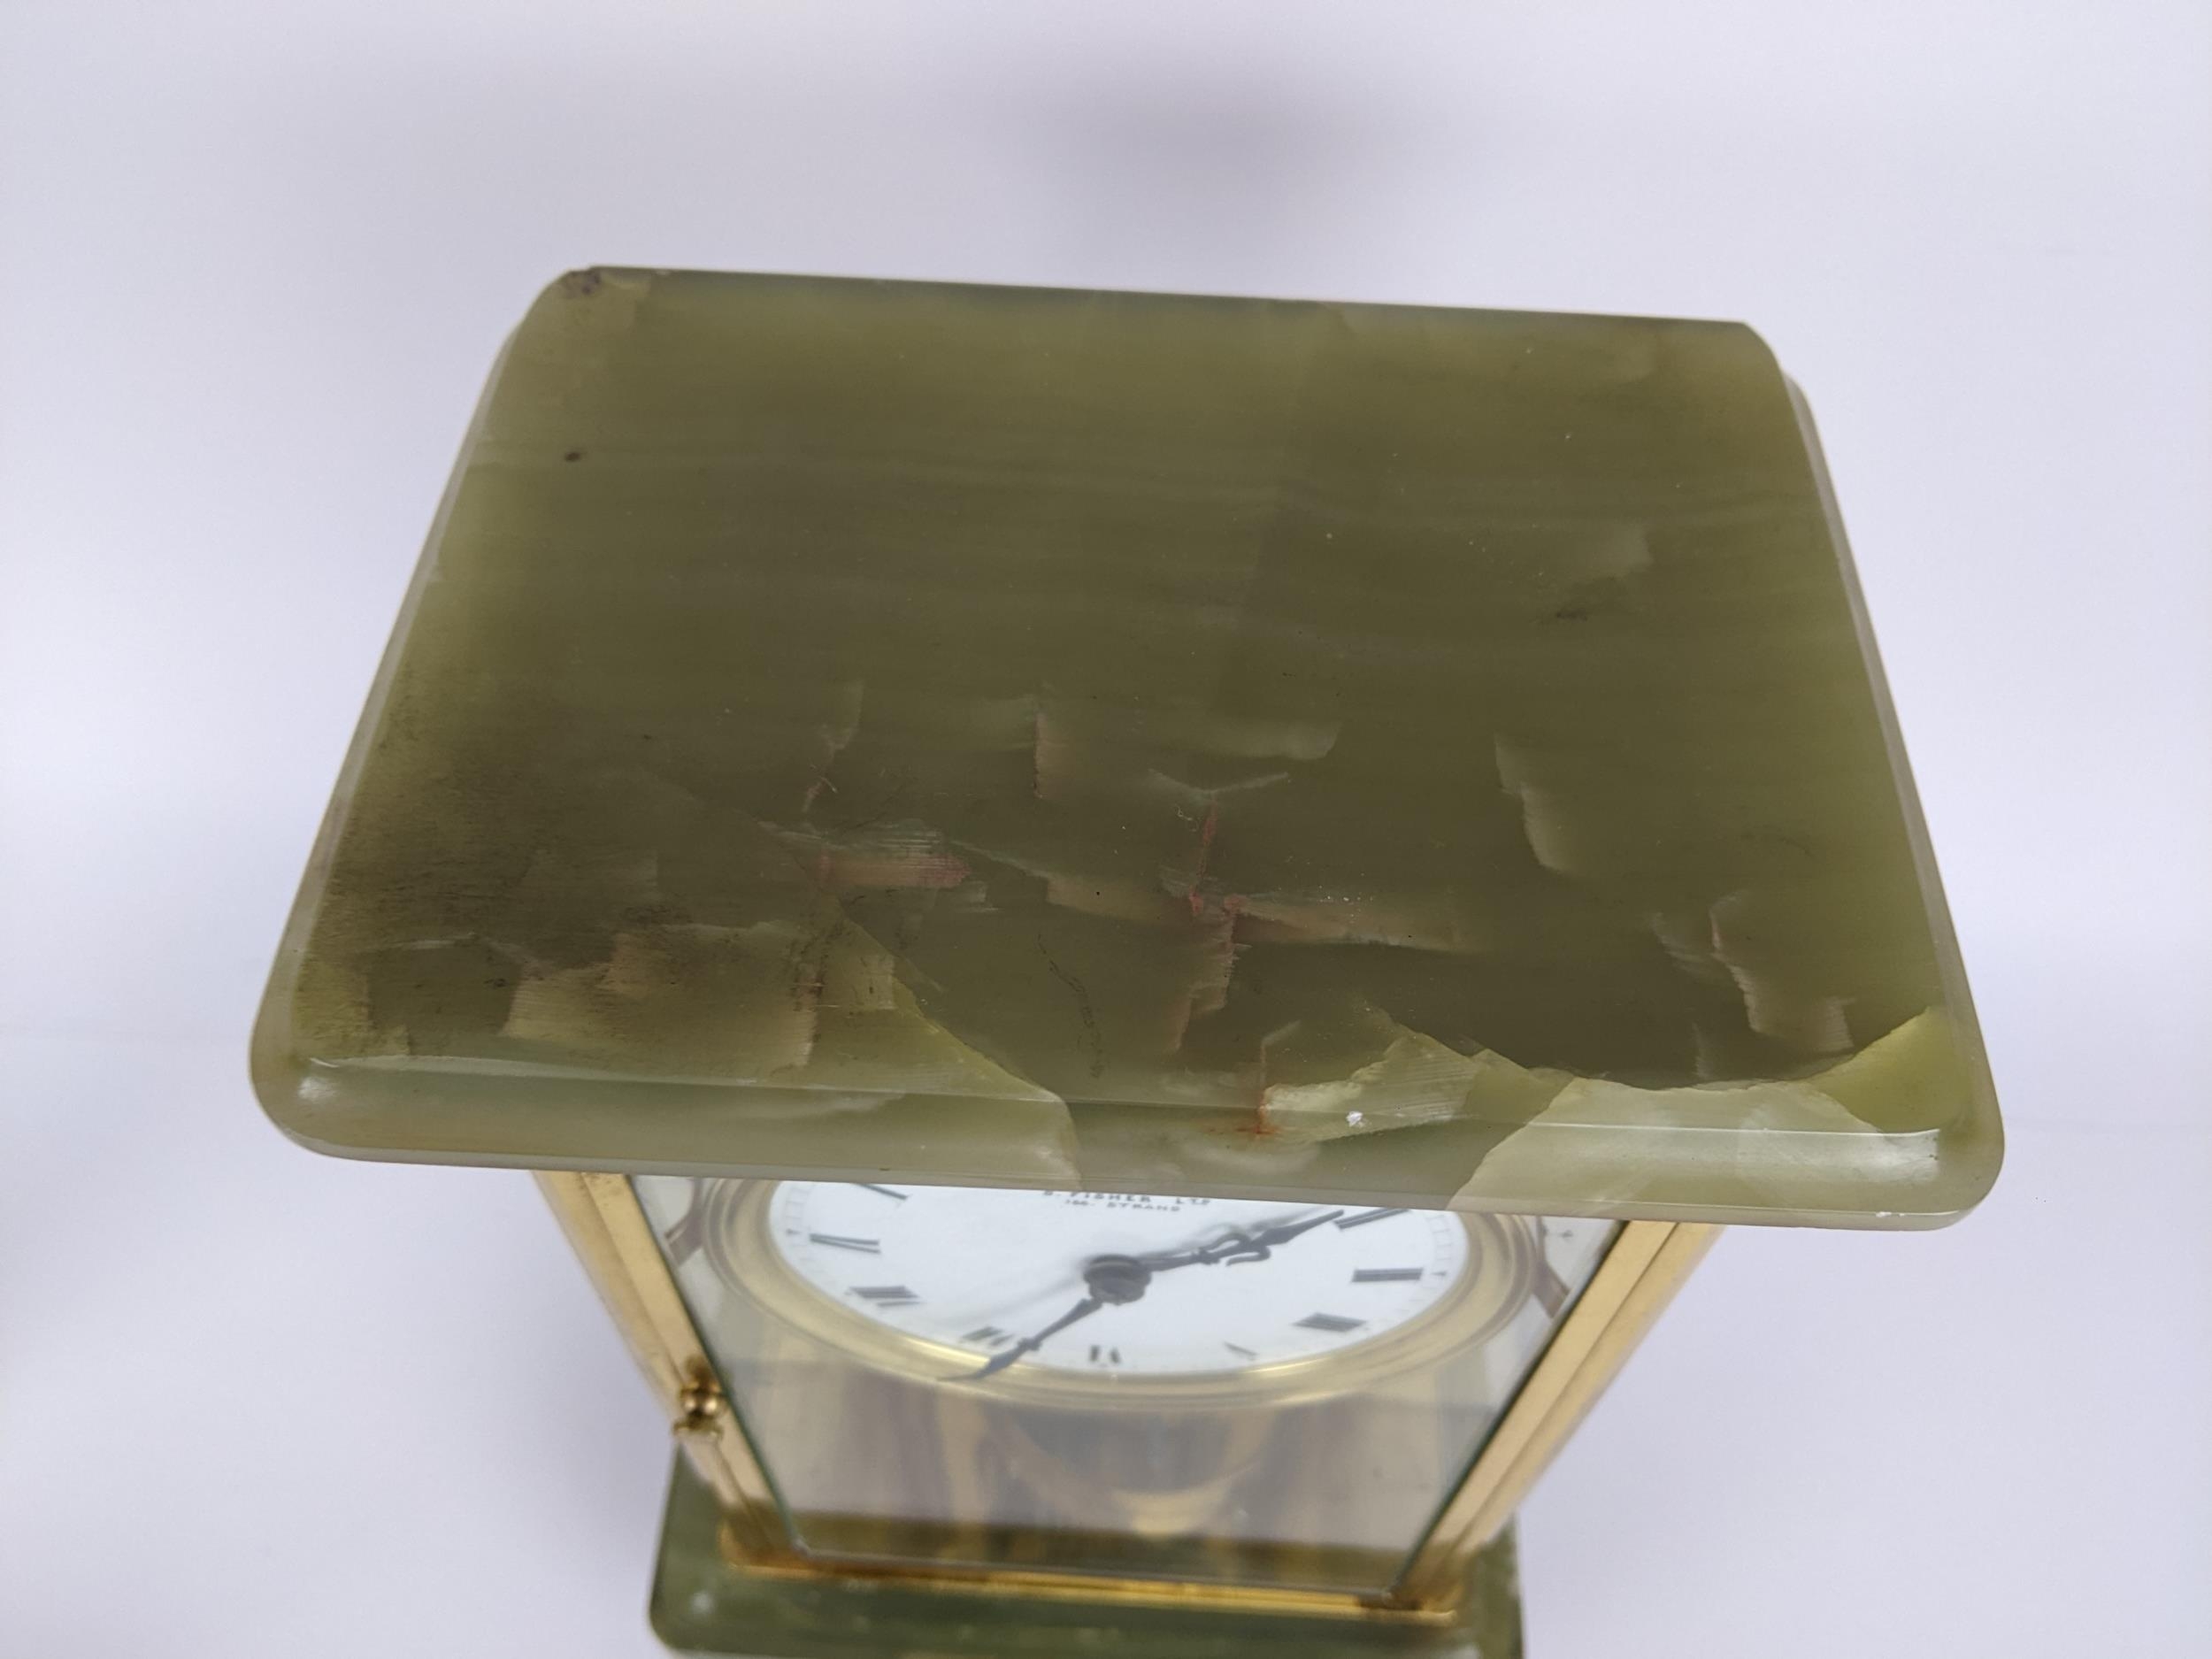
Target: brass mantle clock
x: 1135, y: 936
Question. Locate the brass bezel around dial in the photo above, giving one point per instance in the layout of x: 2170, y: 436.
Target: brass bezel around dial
x: 1502, y: 1265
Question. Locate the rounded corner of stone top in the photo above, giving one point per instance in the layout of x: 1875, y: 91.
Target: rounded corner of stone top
x: 282, y: 1073
x: 1964, y: 1178
x: 1980, y: 1166
x: 587, y: 283
x: 308, y: 1121
x: 1754, y: 340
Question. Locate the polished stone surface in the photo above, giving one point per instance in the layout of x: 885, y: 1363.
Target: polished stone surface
x: 1139, y: 741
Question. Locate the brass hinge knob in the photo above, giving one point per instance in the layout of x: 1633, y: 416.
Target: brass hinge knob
x: 700, y: 1404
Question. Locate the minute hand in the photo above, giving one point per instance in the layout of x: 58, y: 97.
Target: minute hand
x: 1241, y: 1246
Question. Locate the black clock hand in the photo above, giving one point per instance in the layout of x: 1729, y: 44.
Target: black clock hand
x: 1112, y: 1279
x: 1238, y: 1247
x: 1284, y: 1231
x: 1118, y: 1280
x: 1082, y: 1309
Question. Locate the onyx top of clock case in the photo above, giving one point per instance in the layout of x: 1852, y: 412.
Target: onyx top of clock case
x: 1136, y: 742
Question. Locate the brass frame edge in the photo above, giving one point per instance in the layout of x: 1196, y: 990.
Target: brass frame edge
x: 1631, y: 1288
x: 605, y: 1225
x: 1640, y: 1274
x: 955, y: 1578
x: 611, y: 1235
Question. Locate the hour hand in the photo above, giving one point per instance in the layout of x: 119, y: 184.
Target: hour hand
x: 1082, y: 1309
x: 1111, y: 1281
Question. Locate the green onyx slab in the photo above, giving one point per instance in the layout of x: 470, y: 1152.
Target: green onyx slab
x: 1137, y: 741
x: 704, y: 1604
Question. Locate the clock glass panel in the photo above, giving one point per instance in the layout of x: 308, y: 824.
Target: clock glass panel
x: 1214, y: 1389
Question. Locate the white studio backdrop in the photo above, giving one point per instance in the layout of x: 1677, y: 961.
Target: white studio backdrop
x: 255, y: 259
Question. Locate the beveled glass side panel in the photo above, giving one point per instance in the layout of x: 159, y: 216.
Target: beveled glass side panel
x: 1268, y: 1410
x: 1138, y: 743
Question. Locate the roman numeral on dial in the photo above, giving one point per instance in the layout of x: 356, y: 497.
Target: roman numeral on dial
x: 1384, y: 1275
x: 989, y: 1335
x: 873, y: 1246
x: 886, y: 1295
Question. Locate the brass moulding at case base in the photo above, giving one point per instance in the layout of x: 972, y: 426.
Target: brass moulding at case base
x: 706, y: 1602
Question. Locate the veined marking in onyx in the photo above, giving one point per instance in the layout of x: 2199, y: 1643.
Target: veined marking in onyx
x: 888, y: 1191
x: 1093, y: 1041
x: 1240, y: 1350
x: 1366, y: 1216
x: 989, y: 1335
x: 1383, y: 1275
x: 873, y: 1246
x: 1335, y: 1324
x: 886, y: 1295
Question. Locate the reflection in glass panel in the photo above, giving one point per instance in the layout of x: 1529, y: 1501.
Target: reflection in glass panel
x: 1193, y: 1388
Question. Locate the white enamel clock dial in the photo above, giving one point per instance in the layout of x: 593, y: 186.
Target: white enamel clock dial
x: 991, y: 1271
